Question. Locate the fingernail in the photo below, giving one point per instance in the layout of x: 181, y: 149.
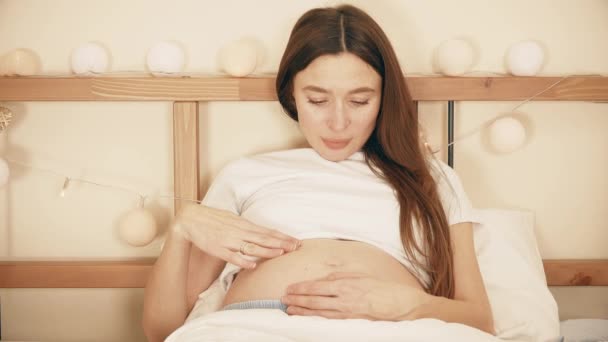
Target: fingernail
x: 281, y: 252
x: 253, y: 265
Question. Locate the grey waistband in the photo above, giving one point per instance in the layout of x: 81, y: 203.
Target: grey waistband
x: 257, y: 304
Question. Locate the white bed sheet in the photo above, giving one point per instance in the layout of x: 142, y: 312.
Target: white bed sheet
x: 277, y: 326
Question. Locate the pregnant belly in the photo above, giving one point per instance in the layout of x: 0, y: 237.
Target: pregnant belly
x: 316, y: 258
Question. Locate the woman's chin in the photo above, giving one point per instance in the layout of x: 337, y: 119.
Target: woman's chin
x: 335, y: 155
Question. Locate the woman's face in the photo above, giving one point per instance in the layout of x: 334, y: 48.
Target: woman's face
x: 338, y: 99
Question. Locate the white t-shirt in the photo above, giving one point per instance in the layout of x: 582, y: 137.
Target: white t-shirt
x: 306, y: 196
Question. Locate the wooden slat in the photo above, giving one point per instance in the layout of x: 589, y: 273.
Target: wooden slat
x: 185, y: 153
x: 509, y: 88
x: 576, y: 272
x: 118, y: 89
x: 582, y: 88
x: 134, y: 274
x: 76, y: 274
x: 257, y: 89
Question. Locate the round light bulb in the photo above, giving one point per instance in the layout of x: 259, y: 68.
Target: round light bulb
x: 239, y: 58
x: 20, y: 62
x: 138, y: 227
x: 89, y: 59
x: 525, y: 58
x: 166, y: 58
x: 455, y: 57
x: 507, y: 134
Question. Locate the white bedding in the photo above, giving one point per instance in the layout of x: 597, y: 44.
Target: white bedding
x: 276, y: 326
x: 522, y: 306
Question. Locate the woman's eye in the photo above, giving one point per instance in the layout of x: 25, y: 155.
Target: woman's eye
x: 360, y: 103
x: 316, y: 102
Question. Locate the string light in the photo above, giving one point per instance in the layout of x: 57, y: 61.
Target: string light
x: 194, y: 74
x: 65, y: 187
x: 6, y: 115
x: 489, y: 122
x: 130, y: 73
x: 138, y: 227
x: 68, y: 180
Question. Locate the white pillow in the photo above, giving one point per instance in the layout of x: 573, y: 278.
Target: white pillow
x: 523, y: 308
x: 585, y: 329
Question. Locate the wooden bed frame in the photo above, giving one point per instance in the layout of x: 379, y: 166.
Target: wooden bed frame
x: 187, y: 92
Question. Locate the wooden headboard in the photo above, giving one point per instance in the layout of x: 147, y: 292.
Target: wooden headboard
x: 187, y: 92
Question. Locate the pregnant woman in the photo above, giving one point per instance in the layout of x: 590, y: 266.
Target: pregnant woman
x: 363, y: 224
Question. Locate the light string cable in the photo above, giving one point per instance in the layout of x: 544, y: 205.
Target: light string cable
x: 490, y: 121
x: 68, y: 180
x: 142, y: 198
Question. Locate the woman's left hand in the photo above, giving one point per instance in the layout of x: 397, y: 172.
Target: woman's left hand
x: 354, y: 295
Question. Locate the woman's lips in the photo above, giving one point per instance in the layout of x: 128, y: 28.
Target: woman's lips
x: 335, y: 144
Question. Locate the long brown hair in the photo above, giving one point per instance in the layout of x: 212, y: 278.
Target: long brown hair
x: 394, y: 147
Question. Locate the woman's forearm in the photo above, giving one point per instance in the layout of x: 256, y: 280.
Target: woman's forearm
x: 165, y: 303
x: 456, y: 311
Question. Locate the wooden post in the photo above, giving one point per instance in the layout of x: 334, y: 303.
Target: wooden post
x: 185, y: 153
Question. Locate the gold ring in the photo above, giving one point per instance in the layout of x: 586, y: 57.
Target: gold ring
x: 243, y: 246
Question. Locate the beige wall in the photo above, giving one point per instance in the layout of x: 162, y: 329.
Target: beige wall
x: 559, y: 174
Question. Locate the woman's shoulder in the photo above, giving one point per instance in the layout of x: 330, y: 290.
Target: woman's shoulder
x: 439, y: 169
x: 445, y: 176
x: 452, y: 193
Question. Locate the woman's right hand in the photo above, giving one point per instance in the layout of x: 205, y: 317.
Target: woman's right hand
x: 225, y: 235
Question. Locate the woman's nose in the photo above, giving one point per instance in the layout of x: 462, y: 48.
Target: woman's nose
x: 338, y: 120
